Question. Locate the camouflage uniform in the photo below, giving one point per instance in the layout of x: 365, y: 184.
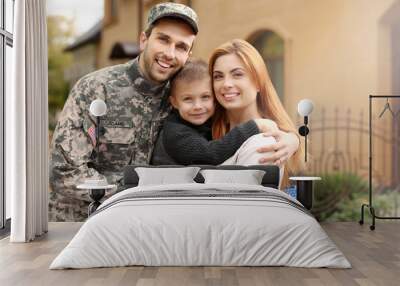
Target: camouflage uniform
x: 135, y: 111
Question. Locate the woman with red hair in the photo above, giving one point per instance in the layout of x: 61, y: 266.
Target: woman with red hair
x: 244, y: 91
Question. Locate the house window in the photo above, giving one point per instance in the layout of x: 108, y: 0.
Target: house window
x: 114, y: 9
x: 271, y: 47
x: 6, y: 44
x: 111, y: 12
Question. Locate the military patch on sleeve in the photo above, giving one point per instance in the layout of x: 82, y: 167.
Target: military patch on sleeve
x: 90, y: 129
x: 117, y: 122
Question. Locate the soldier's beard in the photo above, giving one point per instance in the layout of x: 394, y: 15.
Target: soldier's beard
x: 150, y: 69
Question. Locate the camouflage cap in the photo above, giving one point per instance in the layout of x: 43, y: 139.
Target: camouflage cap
x: 176, y: 10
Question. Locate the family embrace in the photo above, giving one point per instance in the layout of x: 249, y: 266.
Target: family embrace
x: 166, y: 107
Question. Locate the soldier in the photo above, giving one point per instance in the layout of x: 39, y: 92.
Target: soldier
x: 136, y: 97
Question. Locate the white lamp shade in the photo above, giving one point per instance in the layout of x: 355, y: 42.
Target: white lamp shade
x: 98, y: 107
x: 305, y: 107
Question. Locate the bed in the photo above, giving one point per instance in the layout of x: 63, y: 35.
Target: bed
x: 201, y: 222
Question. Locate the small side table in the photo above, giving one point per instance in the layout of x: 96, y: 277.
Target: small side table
x: 304, y: 187
x: 96, y: 193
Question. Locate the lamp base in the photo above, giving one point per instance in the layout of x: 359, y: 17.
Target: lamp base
x: 305, y: 193
x: 96, y: 195
x: 303, y: 130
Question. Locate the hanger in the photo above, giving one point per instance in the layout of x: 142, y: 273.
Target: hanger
x: 387, y: 106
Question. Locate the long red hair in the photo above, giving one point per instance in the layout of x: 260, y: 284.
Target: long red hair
x: 268, y: 103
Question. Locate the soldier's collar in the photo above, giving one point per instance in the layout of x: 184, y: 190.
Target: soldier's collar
x: 140, y: 82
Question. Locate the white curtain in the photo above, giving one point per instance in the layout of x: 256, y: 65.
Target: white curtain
x: 27, y: 124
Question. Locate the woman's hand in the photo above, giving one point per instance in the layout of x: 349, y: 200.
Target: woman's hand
x: 266, y: 125
x: 286, y: 145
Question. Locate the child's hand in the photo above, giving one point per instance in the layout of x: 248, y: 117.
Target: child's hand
x: 266, y: 125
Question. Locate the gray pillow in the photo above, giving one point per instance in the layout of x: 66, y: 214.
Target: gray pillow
x: 248, y: 177
x: 163, y: 176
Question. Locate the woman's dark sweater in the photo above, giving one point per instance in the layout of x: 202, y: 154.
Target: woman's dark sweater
x: 181, y: 142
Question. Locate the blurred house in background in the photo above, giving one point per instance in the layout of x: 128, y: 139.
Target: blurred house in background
x: 334, y: 52
x: 84, y: 51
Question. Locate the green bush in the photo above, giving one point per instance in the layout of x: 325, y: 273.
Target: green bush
x: 386, y: 203
x: 339, y: 196
x: 60, y: 31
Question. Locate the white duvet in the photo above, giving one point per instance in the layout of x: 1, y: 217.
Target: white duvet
x: 223, y: 224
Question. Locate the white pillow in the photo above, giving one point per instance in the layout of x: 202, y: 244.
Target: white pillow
x: 248, y: 177
x: 163, y: 176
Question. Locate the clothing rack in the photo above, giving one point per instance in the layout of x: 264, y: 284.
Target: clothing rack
x: 369, y: 205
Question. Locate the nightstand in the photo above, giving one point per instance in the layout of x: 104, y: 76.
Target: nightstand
x: 304, y: 187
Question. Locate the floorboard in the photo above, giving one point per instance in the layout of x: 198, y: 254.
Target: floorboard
x: 374, y: 255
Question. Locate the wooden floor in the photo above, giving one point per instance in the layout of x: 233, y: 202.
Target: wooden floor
x: 374, y: 255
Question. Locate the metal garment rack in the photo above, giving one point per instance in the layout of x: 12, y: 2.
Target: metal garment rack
x: 369, y: 205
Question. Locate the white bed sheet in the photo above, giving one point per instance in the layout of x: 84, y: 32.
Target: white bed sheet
x: 183, y: 231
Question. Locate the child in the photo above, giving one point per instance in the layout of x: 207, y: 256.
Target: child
x: 186, y: 136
